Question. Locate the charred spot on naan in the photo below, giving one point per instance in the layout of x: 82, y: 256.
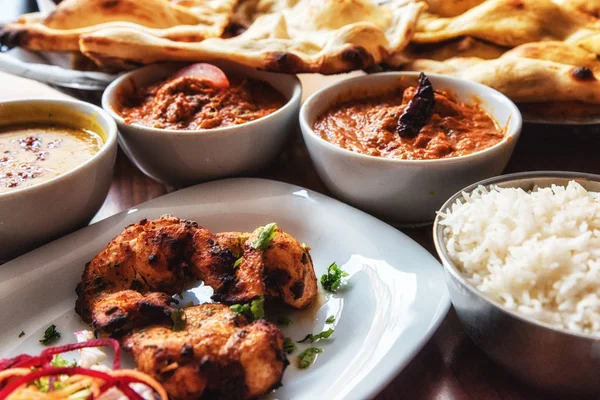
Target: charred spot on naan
x: 466, y: 46
x: 284, y: 62
x: 357, y: 57
x: 518, y: 4
x: 582, y: 74
x: 108, y: 4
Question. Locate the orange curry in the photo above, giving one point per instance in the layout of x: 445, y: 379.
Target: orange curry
x: 367, y: 125
x: 189, y: 103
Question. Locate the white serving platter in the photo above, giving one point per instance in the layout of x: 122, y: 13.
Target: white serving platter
x: 394, y: 299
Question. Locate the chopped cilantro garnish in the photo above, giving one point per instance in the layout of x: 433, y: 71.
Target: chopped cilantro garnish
x: 22, y: 334
x: 307, y: 357
x: 288, y: 345
x: 330, y: 319
x: 265, y: 236
x: 252, y: 311
x: 285, y: 321
x: 313, y: 338
x: 240, y: 308
x: 51, y: 335
x: 257, y: 308
x: 332, y: 280
x: 237, y: 262
x: 178, y: 318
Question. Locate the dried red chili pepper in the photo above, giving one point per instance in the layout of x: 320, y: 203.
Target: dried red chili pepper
x: 418, y: 111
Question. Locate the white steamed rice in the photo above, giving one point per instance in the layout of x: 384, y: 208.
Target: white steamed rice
x: 537, y: 253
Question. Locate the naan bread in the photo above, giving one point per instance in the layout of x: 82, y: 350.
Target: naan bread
x: 451, y: 8
x: 506, y: 23
x: 73, y: 14
x: 559, y: 52
x: 522, y: 79
x: 325, y: 36
x: 461, y: 47
x: 591, y: 8
x: 248, y: 11
x: 588, y: 41
x: 184, y: 20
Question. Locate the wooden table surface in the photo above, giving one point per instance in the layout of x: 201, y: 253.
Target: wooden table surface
x: 450, y: 366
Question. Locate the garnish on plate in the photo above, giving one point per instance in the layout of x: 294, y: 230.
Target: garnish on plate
x: 288, y: 345
x: 418, y: 111
x: 22, y: 334
x: 313, y: 338
x: 265, y: 236
x: 330, y: 319
x: 253, y: 311
x: 237, y: 262
x: 257, y: 308
x: 308, y: 356
x: 51, y: 335
x: 284, y: 321
x: 178, y: 318
x: 332, y: 280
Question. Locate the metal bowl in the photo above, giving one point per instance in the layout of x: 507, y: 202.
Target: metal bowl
x: 537, y: 353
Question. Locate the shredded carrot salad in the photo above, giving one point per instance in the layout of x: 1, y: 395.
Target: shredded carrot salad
x: 20, y: 377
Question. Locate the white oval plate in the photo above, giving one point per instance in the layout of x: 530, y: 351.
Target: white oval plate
x: 394, y: 300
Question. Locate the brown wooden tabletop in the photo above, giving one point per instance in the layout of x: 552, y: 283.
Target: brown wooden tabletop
x: 450, y: 366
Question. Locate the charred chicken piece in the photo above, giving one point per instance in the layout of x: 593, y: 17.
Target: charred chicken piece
x: 218, y: 355
x: 283, y: 269
x: 151, y: 256
x: 214, y: 257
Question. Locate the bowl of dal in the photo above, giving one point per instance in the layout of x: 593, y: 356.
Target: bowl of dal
x: 56, y: 167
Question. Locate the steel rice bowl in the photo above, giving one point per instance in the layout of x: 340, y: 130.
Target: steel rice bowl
x: 537, y: 353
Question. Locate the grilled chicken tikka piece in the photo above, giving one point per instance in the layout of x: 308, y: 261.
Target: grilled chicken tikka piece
x: 217, y: 355
x: 146, y: 257
x: 284, y: 269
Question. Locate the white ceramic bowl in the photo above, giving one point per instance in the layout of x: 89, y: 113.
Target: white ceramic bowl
x: 35, y: 215
x: 186, y: 157
x: 405, y: 192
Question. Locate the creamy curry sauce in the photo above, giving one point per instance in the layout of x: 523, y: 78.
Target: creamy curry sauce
x: 367, y: 125
x: 31, y: 154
